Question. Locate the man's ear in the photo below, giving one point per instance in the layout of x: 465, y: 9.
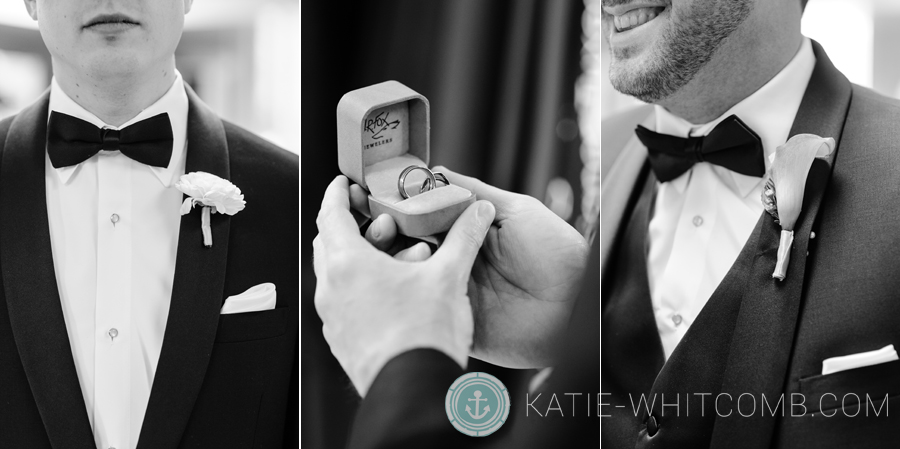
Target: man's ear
x: 187, y: 5
x: 31, y: 6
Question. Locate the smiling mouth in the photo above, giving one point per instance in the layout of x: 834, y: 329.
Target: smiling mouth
x: 636, y: 17
x: 111, y: 20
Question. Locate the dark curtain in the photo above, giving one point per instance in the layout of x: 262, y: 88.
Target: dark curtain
x: 500, y: 78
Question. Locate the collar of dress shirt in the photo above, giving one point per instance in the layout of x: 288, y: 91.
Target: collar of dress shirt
x: 174, y: 102
x: 769, y: 111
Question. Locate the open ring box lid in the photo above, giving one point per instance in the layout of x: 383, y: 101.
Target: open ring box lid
x: 382, y: 129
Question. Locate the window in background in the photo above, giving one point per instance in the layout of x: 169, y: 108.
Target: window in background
x: 242, y: 58
x: 277, y: 73
x: 845, y: 28
x: 24, y: 78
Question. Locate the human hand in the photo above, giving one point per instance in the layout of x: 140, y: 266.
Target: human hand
x: 374, y: 306
x: 523, y: 283
x: 382, y: 231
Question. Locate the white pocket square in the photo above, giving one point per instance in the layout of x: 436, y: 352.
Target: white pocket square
x: 843, y: 363
x: 257, y: 298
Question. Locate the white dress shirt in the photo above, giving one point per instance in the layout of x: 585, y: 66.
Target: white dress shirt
x: 703, y: 218
x: 114, y: 234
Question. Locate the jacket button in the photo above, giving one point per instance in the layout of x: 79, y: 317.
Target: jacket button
x: 652, y: 426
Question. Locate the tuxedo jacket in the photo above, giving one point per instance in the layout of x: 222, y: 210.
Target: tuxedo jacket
x: 756, y: 336
x: 222, y: 380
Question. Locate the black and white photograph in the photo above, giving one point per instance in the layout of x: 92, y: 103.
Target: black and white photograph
x: 616, y: 223
x: 149, y: 152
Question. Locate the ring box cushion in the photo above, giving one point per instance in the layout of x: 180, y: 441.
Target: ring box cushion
x: 382, y: 129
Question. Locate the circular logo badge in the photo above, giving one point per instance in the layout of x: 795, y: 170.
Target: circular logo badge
x: 477, y: 404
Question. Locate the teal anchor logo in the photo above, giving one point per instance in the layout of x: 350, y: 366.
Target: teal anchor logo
x: 491, y: 400
x: 478, y: 399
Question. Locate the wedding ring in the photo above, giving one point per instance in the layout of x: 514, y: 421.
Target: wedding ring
x: 430, y: 181
x: 438, y: 177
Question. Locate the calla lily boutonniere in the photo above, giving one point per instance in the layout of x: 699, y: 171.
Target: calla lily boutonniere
x: 213, y: 194
x: 787, y: 179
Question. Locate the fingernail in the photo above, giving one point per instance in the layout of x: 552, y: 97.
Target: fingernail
x: 421, y: 250
x: 376, y: 229
x: 485, y: 213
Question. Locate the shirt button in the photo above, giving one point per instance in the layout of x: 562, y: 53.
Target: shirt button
x: 698, y: 221
x: 676, y: 319
x: 113, y: 333
x: 812, y: 235
x: 114, y: 218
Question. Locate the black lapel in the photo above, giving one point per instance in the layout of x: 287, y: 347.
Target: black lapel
x: 29, y: 282
x: 630, y: 339
x: 196, y: 293
x: 764, y: 332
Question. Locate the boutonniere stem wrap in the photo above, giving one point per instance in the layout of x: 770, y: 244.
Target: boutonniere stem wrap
x: 213, y: 194
x: 782, y: 195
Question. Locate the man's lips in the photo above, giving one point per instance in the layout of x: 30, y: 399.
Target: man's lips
x: 111, y: 20
x: 635, y: 18
x: 632, y: 15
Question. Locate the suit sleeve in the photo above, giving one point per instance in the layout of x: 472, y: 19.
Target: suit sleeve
x: 405, y: 404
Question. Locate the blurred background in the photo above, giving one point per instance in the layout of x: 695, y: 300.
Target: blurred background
x: 518, y: 89
x: 241, y: 58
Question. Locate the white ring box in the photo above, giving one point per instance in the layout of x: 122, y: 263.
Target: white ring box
x: 382, y: 129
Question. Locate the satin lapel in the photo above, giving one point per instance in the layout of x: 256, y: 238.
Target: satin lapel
x: 616, y: 190
x: 630, y: 339
x: 764, y: 332
x: 29, y: 282
x: 197, y: 293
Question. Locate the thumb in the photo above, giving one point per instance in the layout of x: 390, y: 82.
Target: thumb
x: 466, y: 236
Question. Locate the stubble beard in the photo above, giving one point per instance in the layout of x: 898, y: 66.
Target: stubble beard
x: 688, y: 44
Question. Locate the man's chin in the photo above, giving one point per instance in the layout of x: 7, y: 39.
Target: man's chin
x: 635, y: 81
x: 112, y: 62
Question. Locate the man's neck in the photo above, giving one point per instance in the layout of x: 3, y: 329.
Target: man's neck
x: 115, y: 99
x: 717, y: 88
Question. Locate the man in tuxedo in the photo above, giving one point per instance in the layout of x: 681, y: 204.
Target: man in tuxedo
x: 701, y: 346
x: 692, y: 317
x: 122, y: 324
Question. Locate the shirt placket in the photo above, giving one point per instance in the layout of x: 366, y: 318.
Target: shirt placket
x: 684, y: 274
x: 114, y: 331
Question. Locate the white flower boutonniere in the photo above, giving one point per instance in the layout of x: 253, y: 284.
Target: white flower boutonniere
x: 787, y: 179
x: 211, y: 192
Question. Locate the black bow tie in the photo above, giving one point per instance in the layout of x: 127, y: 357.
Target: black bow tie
x: 71, y: 141
x: 731, y: 144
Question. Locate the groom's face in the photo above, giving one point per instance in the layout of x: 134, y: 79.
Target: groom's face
x: 101, y: 37
x: 658, y: 46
